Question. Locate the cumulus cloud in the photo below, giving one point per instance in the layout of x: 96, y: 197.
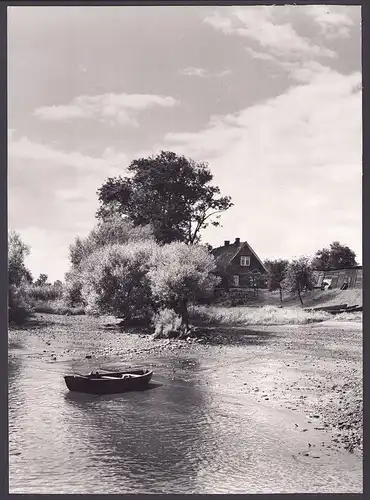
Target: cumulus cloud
x: 110, y: 108
x: 49, y: 189
x: 202, y: 73
x: 334, y: 20
x: 263, y: 24
x: 292, y: 163
x: 24, y: 149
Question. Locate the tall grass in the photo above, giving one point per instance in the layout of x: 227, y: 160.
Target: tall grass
x: 44, y: 293
x: 56, y: 307
x: 50, y: 299
x: 267, y: 315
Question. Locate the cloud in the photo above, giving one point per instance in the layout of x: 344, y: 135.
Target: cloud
x: 111, y: 108
x: 334, y: 20
x: 202, y: 73
x: 49, y: 189
x: 264, y: 56
x: 292, y: 164
x: 24, y: 149
x: 264, y: 25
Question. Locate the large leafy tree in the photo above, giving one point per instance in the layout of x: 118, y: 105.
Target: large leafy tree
x: 171, y: 193
x: 277, y: 268
x: 337, y: 256
x: 180, y: 274
x: 298, y: 277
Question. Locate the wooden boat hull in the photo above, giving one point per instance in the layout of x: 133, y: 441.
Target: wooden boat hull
x: 111, y: 383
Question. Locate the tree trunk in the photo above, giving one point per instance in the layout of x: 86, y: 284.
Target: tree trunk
x: 281, y: 294
x: 184, y: 315
x: 300, y: 298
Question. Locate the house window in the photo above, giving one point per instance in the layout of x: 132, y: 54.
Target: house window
x: 245, y: 261
x: 236, y: 280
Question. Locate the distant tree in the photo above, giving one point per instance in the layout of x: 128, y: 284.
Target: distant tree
x: 42, y: 280
x: 169, y: 192
x: 17, y: 253
x: 277, y: 268
x: 321, y: 260
x: 336, y: 257
x: 179, y: 274
x: 298, y: 277
x: 18, y: 275
x: 341, y: 256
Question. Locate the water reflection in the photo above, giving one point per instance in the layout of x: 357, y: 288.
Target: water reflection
x: 183, y: 435
x: 151, y: 439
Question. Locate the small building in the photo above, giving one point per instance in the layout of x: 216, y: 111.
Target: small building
x: 339, y: 278
x: 239, y: 266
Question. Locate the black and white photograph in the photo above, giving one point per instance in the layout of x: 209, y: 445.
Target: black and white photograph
x: 185, y: 281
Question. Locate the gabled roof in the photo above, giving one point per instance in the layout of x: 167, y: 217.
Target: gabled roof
x: 225, y: 254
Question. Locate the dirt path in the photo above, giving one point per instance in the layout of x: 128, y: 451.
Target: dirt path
x: 312, y: 373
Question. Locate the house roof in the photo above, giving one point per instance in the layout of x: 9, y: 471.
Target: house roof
x: 225, y: 254
x: 337, y: 270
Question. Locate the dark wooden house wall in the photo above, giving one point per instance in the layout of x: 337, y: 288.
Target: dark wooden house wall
x: 244, y: 272
x: 339, y: 276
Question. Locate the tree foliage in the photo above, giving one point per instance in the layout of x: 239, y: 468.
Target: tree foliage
x: 180, y: 274
x: 18, y: 276
x: 41, y: 280
x: 277, y: 269
x: 337, y: 256
x: 17, y: 253
x: 169, y: 192
x: 112, y: 231
x: 298, y: 277
x: 114, y: 280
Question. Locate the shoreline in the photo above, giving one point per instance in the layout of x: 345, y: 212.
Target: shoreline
x: 313, y: 373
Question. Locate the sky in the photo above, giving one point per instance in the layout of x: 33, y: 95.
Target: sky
x: 269, y: 97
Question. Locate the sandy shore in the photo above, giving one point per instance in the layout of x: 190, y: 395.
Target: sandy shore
x: 313, y: 373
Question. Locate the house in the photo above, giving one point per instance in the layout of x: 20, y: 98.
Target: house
x: 339, y: 278
x: 239, y: 266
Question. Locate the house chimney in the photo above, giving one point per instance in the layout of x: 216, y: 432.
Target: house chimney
x: 227, y: 243
x: 237, y: 241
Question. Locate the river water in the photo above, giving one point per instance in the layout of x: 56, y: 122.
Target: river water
x: 183, y: 435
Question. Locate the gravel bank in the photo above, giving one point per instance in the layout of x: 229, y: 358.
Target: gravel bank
x: 313, y: 372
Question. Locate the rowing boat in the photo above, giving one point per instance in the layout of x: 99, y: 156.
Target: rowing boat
x: 109, y: 383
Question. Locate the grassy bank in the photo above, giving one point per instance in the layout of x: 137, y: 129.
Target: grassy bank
x: 266, y: 315
x: 56, y: 307
x: 314, y: 298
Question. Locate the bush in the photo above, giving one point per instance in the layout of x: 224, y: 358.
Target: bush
x: 114, y: 281
x: 19, y: 308
x: 44, y: 292
x: 179, y: 274
x: 113, y: 231
x: 57, y: 307
x: 166, y: 323
x: 72, y: 293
